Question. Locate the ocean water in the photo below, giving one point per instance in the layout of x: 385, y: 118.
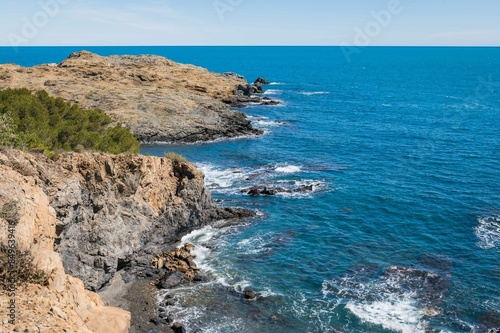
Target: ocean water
x: 400, y: 231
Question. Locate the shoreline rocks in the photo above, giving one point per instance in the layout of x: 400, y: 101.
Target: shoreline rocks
x: 256, y: 191
x: 160, y: 100
x: 112, y: 215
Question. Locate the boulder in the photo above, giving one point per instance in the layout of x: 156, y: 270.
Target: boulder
x: 171, y: 280
x: 249, y: 294
x: 261, y: 80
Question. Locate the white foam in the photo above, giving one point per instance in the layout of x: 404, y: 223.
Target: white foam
x: 488, y: 232
x: 255, y: 245
x: 400, y: 315
x: 269, y: 123
x: 219, y: 177
x: 311, y: 93
x: 288, y: 169
x: 272, y: 92
x: 276, y: 83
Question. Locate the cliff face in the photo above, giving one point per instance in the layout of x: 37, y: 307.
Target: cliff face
x: 159, y: 99
x: 118, y: 210
x: 64, y: 305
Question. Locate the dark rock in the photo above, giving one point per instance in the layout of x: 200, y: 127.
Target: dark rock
x: 178, y: 328
x: 494, y: 330
x: 231, y: 74
x: 261, y: 80
x: 256, y: 191
x: 170, y: 281
x: 200, y: 277
x: 158, y: 321
x: 249, y: 294
x: 270, y: 102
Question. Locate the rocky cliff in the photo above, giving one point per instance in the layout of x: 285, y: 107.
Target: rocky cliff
x: 63, y: 305
x: 118, y: 210
x: 159, y: 99
x: 101, y: 213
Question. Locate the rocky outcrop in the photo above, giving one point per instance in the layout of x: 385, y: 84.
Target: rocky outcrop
x: 116, y: 211
x: 256, y: 191
x: 162, y: 101
x: 63, y: 305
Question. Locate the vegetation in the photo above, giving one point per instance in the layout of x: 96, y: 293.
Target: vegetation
x: 16, y: 266
x: 38, y: 120
x: 175, y: 157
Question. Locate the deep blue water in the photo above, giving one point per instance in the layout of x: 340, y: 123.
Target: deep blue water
x: 402, y: 230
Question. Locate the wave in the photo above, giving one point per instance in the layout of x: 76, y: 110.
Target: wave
x: 273, y: 92
x: 220, y: 178
x: 401, y: 299
x: 288, y: 169
x: 311, y: 93
x: 488, y: 232
x: 276, y: 83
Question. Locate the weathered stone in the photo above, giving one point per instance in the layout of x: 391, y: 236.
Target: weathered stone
x: 249, y: 294
x: 178, y: 328
x: 159, y: 99
x: 172, y: 280
x: 261, y: 80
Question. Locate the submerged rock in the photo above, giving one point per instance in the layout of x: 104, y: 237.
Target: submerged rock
x: 249, y: 294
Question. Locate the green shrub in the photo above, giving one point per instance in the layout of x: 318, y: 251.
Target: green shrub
x: 175, y: 157
x: 38, y: 120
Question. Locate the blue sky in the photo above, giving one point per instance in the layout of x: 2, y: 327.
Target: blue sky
x: 250, y: 22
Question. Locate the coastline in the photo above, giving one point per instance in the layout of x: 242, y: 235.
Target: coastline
x: 160, y: 100
x: 83, y: 188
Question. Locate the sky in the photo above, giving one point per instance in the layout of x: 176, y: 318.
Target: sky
x: 250, y: 22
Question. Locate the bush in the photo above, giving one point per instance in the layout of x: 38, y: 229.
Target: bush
x: 38, y: 120
x: 16, y: 267
x: 20, y: 272
x: 175, y: 157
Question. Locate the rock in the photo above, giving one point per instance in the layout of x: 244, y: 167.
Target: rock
x: 172, y: 280
x: 158, y: 321
x: 63, y: 305
x: 231, y: 74
x: 58, y: 312
x: 256, y: 191
x: 494, y: 330
x: 159, y: 99
x: 261, y: 80
x: 178, y: 328
x: 249, y: 294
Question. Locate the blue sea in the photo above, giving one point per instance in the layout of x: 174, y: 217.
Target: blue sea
x: 400, y: 230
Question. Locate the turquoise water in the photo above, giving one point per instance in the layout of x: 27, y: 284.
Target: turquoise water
x: 401, y: 232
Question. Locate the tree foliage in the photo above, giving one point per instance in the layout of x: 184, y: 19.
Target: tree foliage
x: 38, y: 120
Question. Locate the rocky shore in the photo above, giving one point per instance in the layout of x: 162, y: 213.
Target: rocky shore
x: 103, y: 227
x: 161, y: 100
x: 109, y: 218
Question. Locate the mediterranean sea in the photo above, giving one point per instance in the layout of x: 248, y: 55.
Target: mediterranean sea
x: 392, y: 219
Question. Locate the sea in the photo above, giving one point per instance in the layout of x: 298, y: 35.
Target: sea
x: 390, y: 218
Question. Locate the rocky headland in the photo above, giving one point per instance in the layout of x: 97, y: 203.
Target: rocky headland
x: 87, y: 217
x: 160, y: 100
x: 102, y: 228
